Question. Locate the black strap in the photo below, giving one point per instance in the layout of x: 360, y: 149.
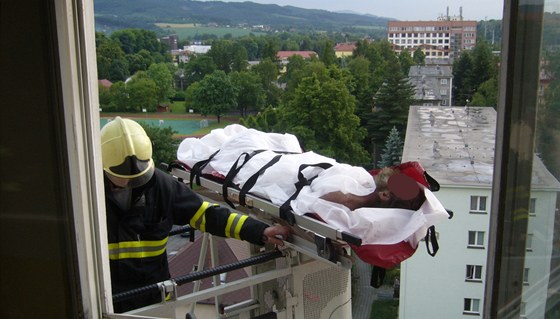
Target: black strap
x: 253, y: 179
x: 235, y: 168
x: 196, y: 170
x: 285, y: 210
x: 377, y: 276
x: 434, y: 185
x: 431, y: 239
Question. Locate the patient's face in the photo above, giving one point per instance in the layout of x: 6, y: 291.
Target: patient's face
x: 402, y: 192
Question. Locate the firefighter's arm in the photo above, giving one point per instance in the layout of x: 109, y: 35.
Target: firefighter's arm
x: 223, y: 222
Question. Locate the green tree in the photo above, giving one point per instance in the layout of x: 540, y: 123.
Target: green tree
x: 119, y: 97
x: 391, y: 105
x: 164, y: 146
x: 270, y: 48
x: 215, y: 95
x: 486, y: 94
x: 251, y: 95
x: 112, y: 63
x: 221, y: 53
x: 361, y: 89
x: 142, y: 93
x: 198, y: 67
x: 135, y: 40
x: 327, y: 54
x: 251, y: 46
x: 485, y: 65
x: 474, y: 71
x: 392, y: 153
x: 104, y: 98
x: 405, y: 61
x: 268, y: 73
x: 163, y: 78
x: 463, y: 88
x: 239, y: 58
x: 322, y: 116
x: 268, y: 120
x: 419, y: 57
x: 139, y: 61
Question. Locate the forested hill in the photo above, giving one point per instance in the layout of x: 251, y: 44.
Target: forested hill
x: 117, y: 14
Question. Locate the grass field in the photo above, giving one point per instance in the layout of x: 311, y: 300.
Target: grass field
x: 190, y: 30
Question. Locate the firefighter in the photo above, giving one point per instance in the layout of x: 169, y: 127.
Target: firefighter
x: 142, y: 205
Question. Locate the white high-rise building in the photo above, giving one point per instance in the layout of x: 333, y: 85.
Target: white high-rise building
x: 456, y: 147
x: 444, y: 38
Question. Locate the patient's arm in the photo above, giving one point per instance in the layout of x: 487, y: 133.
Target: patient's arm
x: 354, y: 202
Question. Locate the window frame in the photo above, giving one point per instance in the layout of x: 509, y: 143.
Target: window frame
x: 476, y: 244
x: 477, y: 209
x: 471, y: 302
x: 473, y: 270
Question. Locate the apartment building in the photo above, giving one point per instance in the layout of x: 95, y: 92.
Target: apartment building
x: 456, y: 146
x: 433, y: 84
x: 443, y: 38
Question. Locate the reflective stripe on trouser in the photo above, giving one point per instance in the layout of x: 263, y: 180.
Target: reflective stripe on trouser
x: 137, y: 249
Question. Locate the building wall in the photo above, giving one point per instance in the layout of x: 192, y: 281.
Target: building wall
x: 437, y: 286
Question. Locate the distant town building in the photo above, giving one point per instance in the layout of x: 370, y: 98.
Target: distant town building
x: 183, y: 55
x: 171, y: 41
x: 432, y: 83
x: 344, y: 49
x: 283, y: 56
x: 446, y: 37
x: 456, y: 147
x: 197, y: 48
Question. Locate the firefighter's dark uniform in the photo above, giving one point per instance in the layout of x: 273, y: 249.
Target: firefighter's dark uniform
x: 138, y: 235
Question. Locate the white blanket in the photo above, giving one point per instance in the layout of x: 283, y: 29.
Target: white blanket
x: 373, y: 225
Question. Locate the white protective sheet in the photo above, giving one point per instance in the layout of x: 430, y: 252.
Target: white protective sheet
x: 373, y: 225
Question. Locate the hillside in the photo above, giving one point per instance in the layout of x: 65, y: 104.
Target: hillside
x: 117, y: 14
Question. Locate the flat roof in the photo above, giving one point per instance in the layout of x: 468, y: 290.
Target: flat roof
x: 456, y: 146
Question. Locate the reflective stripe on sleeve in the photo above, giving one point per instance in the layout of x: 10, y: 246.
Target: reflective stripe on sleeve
x: 234, y: 224
x: 199, y: 220
x: 137, y: 249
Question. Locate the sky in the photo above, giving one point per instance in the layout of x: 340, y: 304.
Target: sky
x: 402, y: 9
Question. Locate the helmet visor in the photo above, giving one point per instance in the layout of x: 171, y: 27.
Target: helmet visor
x: 137, y: 172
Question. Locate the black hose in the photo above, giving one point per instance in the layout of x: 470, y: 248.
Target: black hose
x: 255, y: 260
x: 181, y: 230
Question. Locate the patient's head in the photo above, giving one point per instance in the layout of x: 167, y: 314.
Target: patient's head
x: 396, y: 190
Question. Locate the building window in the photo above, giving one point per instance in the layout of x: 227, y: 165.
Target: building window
x: 443, y: 91
x: 478, y: 204
x: 472, y: 306
x: 474, y: 273
x: 443, y: 81
x: 526, y: 276
x: 476, y: 239
x: 529, y: 242
x: 532, y: 206
x: 522, y: 309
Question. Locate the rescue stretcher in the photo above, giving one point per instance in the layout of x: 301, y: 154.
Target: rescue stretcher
x: 310, y: 236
